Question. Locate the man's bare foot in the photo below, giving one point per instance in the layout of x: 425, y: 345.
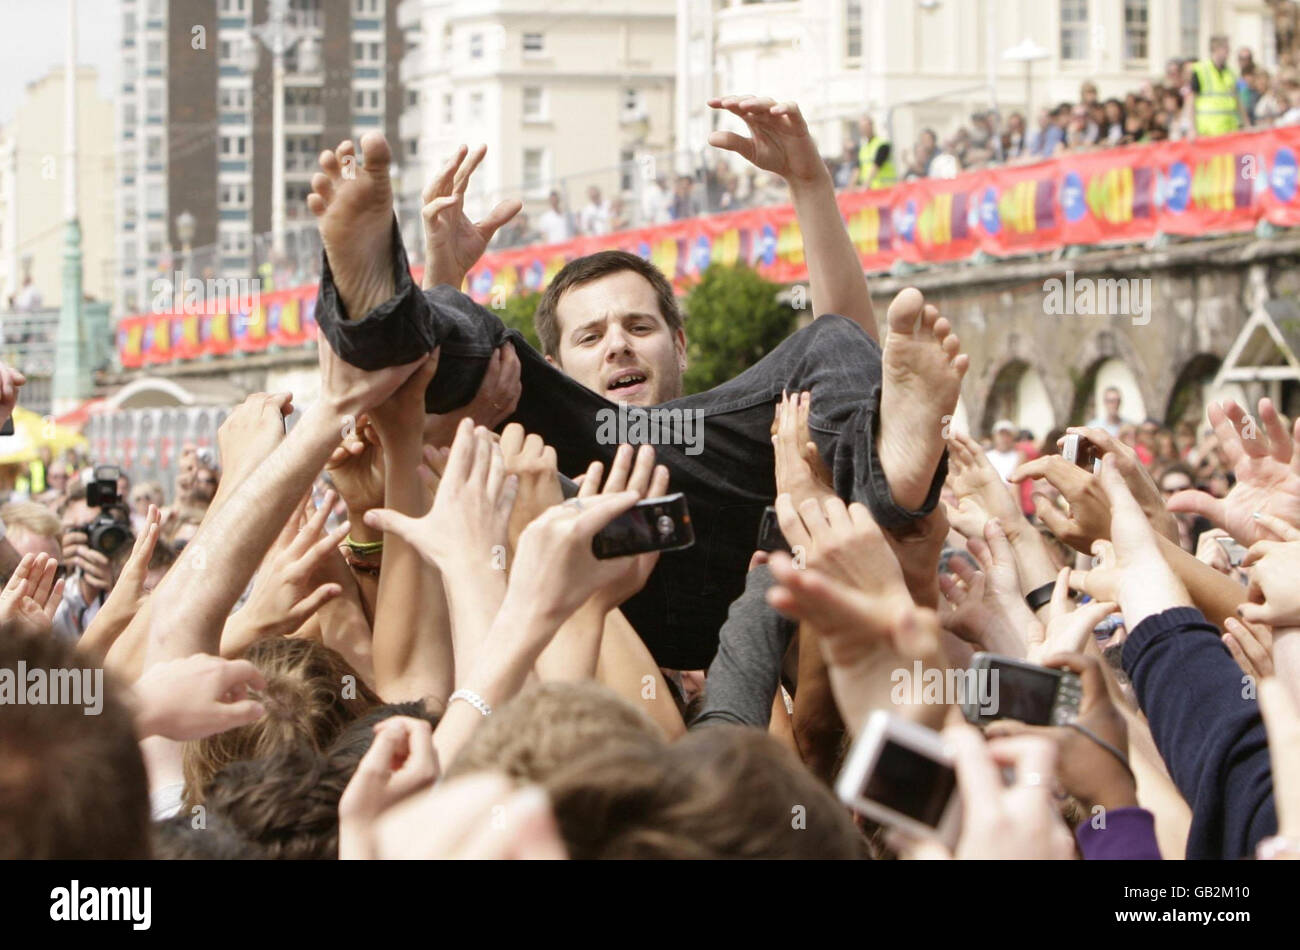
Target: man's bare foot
x: 353, y: 204
x: 922, y: 371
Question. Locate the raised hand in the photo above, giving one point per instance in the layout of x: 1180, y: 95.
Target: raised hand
x: 1133, y: 571
x: 10, y: 382
x: 555, y: 570
x: 127, y: 596
x: 801, y: 472
x: 32, y: 595
x: 976, y: 613
x: 285, y: 593
x: 249, y: 434
x: 400, y: 761
x: 1274, y: 593
x: 779, y: 140
x: 1267, y: 469
x: 453, y: 243
x: 465, y: 530
x: 480, y: 817
x: 347, y: 391
x: 1069, y: 628
x: 635, y: 471
x: 1020, y: 821
x: 1088, y: 770
x: 494, y: 403
x: 979, y: 488
x: 198, y: 696
x: 533, y: 463
x: 1251, y: 645
x: 356, y: 468
x: 1136, y: 476
x: 1088, y: 519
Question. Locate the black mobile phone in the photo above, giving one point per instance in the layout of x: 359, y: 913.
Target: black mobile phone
x: 654, y: 524
x: 8, y: 427
x: 770, y: 537
x: 1007, y: 688
x: 1081, y: 452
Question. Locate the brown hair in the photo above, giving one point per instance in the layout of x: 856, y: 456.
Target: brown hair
x: 72, y: 785
x: 308, y: 701
x: 33, y: 518
x: 584, y: 270
x: 720, y: 792
x: 549, y: 725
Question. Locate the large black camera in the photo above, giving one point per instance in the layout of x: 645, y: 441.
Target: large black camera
x: 111, y: 528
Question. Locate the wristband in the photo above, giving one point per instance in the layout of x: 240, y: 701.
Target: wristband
x: 473, y: 698
x: 364, y: 547
x: 1040, y: 596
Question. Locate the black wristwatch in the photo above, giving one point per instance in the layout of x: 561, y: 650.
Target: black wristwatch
x: 1040, y: 596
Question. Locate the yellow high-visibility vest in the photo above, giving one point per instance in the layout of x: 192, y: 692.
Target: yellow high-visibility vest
x: 885, y: 174
x: 1216, y: 103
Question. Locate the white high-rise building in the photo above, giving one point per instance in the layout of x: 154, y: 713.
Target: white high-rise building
x: 566, y: 97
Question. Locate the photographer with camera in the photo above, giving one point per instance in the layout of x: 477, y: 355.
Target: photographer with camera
x: 96, y: 538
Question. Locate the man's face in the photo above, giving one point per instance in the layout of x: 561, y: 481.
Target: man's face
x: 1219, y: 55
x: 57, y: 477
x: 614, y: 340
x: 1004, y: 440
x: 28, y: 542
x: 1112, y: 405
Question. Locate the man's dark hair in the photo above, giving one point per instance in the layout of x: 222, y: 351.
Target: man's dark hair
x: 287, y: 805
x: 72, y: 786
x: 355, y: 740
x: 592, y: 267
x: 177, y: 839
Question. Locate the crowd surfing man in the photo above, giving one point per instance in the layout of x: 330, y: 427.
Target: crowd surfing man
x: 363, y: 691
x: 611, y: 331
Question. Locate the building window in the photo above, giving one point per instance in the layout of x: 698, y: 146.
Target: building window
x: 366, y: 100
x: 237, y: 99
x: 1189, y: 27
x: 153, y: 53
x: 153, y: 101
x: 364, y: 54
x: 534, y: 44
x: 853, y: 30
x: 448, y: 109
x: 364, y: 7
x: 234, y: 196
x: 476, y: 107
x: 155, y: 198
x: 534, y: 104
x: 1074, y: 29
x: 153, y: 151
x: 1135, y: 29
x: 233, y: 6
x: 476, y: 46
x: 627, y: 169
x: 534, y: 170
x: 233, y: 146
x: 633, y: 107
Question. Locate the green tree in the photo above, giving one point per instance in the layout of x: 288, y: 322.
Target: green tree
x: 517, y: 313
x: 733, y: 320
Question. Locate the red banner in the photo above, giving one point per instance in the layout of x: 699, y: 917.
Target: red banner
x: 1122, y: 195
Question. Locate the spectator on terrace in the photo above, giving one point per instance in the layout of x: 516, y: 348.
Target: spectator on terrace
x: 1013, y: 138
x: 555, y: 223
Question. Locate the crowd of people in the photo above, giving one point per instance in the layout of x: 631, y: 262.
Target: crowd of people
x: 428, y: 658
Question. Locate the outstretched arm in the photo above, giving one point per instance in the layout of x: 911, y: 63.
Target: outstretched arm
x: 781, y: 143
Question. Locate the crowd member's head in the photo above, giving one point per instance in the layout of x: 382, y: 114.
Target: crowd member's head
x: 181, y: 528
x: 867, y: 128
x: 32, y: 528
x: 143, y: 495
x: 286, y: 804
x: 1004, y: 435
x: 550, y: 725
x: 553, y: 199
x: 179, y: 839
x: 56, y: 478
x: 311, y: 693
x: 720, y: 792
x: 1219, y: 51
x: 72, y: 785
x: 1245, y: 60
x: 1088, y: 92
x: 1111, y: 400
x: 610, y: 320
x: 1174, y: 72
x: 205, y: 485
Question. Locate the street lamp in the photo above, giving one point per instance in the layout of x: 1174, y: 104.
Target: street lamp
x: 185, y: 231
x: 279, y: 35
x: 1027, y: 52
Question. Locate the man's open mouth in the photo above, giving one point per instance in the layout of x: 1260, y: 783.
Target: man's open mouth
x: 626, y: 381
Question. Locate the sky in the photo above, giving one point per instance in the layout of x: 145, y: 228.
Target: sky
x: 36, y: 36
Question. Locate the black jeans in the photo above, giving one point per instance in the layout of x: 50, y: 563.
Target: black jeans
x: 727, y: 485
